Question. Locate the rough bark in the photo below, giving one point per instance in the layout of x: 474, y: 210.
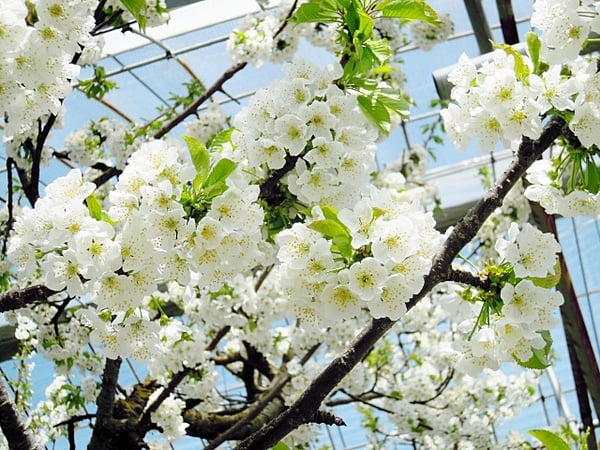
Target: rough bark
x: 12, y: 425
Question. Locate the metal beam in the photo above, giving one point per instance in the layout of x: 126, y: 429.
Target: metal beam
x: 480, y: 25
x: 178, y: 3
x: 507, y: 21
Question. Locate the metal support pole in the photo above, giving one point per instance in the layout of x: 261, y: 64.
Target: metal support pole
x: 480, y: 25
x: 507, y: 21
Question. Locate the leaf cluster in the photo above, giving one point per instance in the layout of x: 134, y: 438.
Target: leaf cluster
x: 98, y: 85
x: 364, y: 54
x: 210, y: 179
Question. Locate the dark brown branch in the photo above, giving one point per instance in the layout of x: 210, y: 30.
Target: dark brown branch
x: 25, y: 297
x: 190, y: 110
x: 363, y: 398
x: 463, y: 277
x: 259, y: 408
x: 144, y: 422
x: 327, y: 418
x: 215, y: 340
x: 310, y: 400
x: 439, y: 390
x: 16, y: 433
x: 9, y: 222
x: 269, y: 189
x: 101, y: 436
x: 466, y: 229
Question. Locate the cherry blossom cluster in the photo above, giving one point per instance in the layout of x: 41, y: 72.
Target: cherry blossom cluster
x: 426, y: 36
x: 208, y: 123
x: 389, y: 250
x: 547, y: 190
x: 421, y: 407
x: 101, y: 141
x: 564, y: 26
x: 155, y: 11
x: 492, y: 104
x: 168, y: 416
x: 37, y: 59
x: 252, y: 40
x: 509, y: 95
x: 306, y: 120
x: 258, y: 38
x: 117, y: 256
x: 513, y: 323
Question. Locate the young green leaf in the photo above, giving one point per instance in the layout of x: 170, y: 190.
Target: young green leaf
x: 94, y: 206
x: 324, y: 11
x: 375, y: 111
x: 539, y: 360
x: 550, y: 440
x: 521, y: 68
x: 200, y: 157
x: 365, y: 25
x: 329, y: 228
x: 280, y: 446
x: 222, y: 138
x: 408, y: 10
x: 533, y: 46
x: 548, y: 282
x: 137, y: 8
x: 329, y: 212
x: 220, y: 172
x: 380, y: 49
x: 343, y: 246
x: 591, y: 177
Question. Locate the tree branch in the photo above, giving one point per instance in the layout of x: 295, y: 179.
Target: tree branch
x: 256, y: 410
x: 479, y: 281
x: 27, y: 296
x: 12, y: 426
x: 101, y: 436
x: 310, y: 400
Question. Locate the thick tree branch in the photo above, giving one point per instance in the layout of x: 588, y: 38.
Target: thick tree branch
x: 25, y: 297
x: 12, y: 426
x: 263, y: 406
x: 310, y: 400
x: 102, y: 434
x: 466, y: 229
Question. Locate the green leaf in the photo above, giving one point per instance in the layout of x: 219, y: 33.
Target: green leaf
x: 539, y: 360
x: 222, y: 138
x: 280, y: 446
x: 137, y: 8
x: 549, y: 281
x: 365, y: 25
x: 352, y: 19
x: 220, y: 172
x: 550, y: 440
x: 329, y: 228
x: 215, y: 189
x: 533, y: 46
x: 408, y: 10
x: 521, y: 69
x: 94, y: 206
x: 380, y: 49
x: 343, y: 245
x: 200, y: 158
x: 329, y: 212
x: 591, y: 177
x: 376, y: 111
x: 324, y: 11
